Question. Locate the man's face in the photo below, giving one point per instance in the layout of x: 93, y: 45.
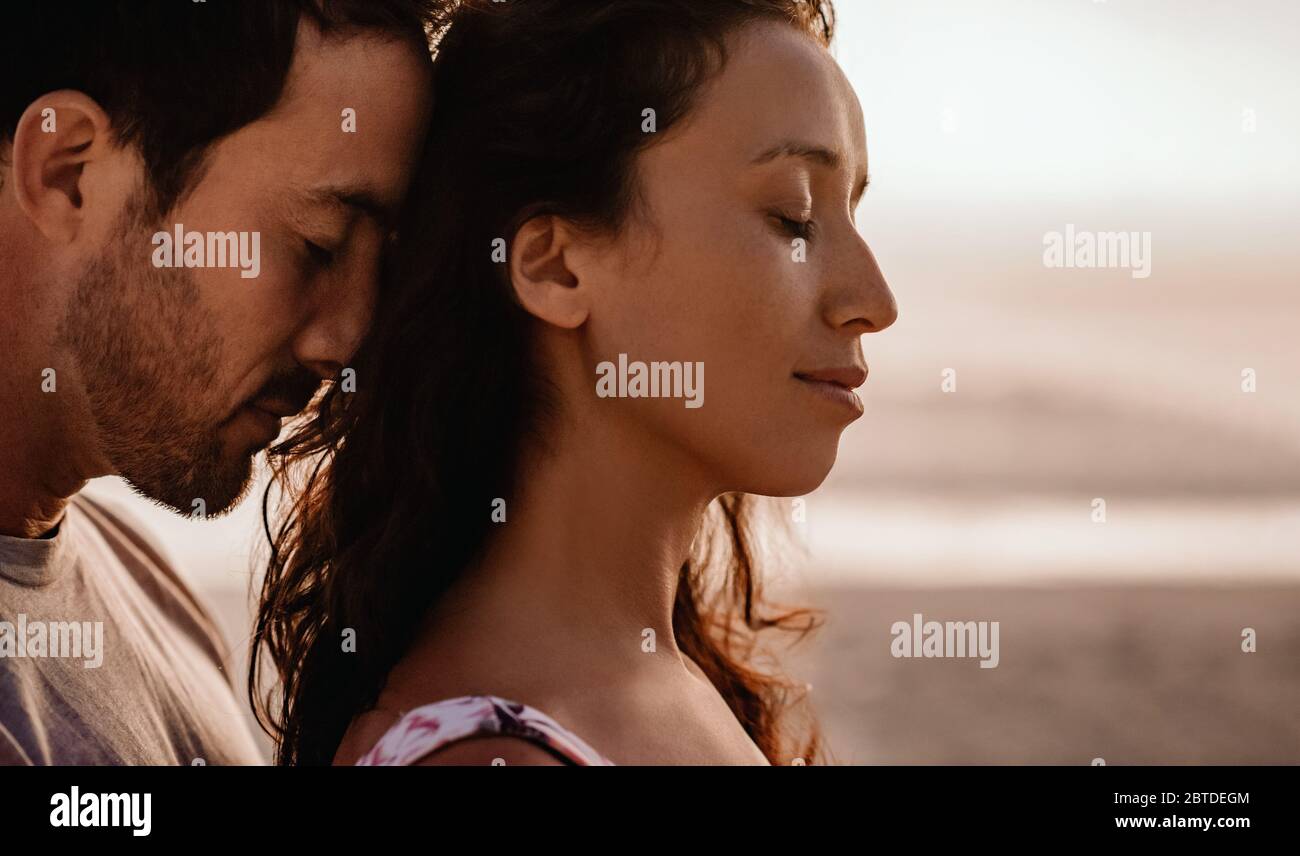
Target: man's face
x: 189, y: 370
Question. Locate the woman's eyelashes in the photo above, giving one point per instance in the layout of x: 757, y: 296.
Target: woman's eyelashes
x: 796, y: 226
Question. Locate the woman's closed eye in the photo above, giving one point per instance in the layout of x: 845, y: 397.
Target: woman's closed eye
x: 801, y: 226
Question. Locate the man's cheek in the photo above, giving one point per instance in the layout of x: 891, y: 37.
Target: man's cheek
x: 254, y: 309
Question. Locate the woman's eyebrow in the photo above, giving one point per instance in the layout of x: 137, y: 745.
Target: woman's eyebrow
x: 813, y: 153
x: 863, y: 184
x: 795, y: 149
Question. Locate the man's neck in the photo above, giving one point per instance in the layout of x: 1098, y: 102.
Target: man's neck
x: 43, y: 460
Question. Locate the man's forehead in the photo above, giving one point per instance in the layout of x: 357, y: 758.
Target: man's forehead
x: 347, y: 126
x: 354, y: 63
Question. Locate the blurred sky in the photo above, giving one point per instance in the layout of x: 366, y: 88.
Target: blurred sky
x: 1135, y: 100
x: 990, y: 123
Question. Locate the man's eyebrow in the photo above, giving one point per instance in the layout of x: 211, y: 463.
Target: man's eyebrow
x: 361, y: 199
x: 810, y: 152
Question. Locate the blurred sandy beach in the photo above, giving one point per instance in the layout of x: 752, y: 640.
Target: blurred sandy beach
x: 1128, y: 674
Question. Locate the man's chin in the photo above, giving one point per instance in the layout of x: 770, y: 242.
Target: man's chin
x: 212, y: 492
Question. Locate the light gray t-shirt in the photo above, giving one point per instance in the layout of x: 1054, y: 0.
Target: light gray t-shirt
x: 106, y: 657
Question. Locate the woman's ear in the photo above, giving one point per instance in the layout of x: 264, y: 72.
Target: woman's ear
x: 543, y: 276
x: 57, y: 136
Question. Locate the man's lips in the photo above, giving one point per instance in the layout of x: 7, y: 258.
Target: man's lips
x: 257, y: 428
x: 277, y: 407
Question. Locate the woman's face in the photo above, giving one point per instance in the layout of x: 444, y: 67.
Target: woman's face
x: 743, y: 256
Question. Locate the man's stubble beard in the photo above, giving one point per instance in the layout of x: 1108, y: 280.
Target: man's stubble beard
x: 148, y: 354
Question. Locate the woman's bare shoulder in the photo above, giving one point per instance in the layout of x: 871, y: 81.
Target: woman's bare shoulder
x: 364, y: 733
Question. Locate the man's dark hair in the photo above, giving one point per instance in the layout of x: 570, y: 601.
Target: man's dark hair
x: 175, y: 76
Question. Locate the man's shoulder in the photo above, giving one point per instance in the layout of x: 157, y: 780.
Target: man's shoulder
x: 11, y: 753
x: 148, y: 563
x: 114, y: 521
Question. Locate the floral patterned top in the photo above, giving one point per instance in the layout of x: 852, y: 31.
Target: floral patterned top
x: 433, y: 726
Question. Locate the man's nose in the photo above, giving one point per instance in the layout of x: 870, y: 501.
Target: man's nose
x: 341, y: 318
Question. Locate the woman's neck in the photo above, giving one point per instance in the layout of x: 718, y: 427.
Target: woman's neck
x: 591, y: 546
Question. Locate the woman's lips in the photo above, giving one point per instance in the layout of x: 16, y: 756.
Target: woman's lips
x: 837, y: 385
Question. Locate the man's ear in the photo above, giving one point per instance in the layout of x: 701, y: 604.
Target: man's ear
x: 543, y: 275
x: 57, y: 136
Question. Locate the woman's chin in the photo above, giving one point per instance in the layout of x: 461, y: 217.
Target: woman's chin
x: 792, y: 480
